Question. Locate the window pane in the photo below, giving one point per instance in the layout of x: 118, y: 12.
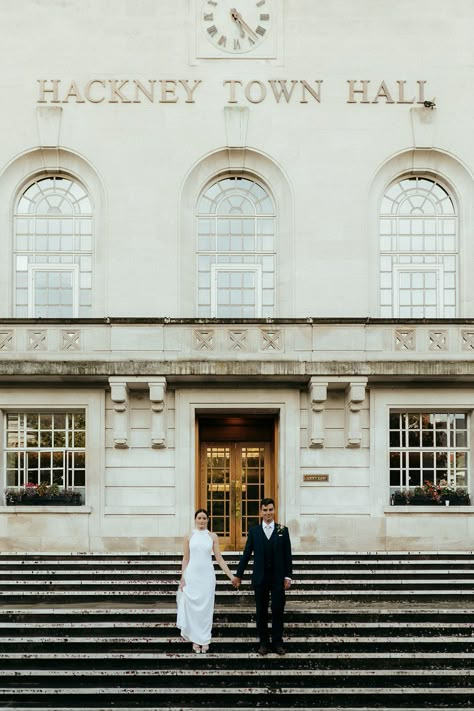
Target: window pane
x: 245, y: 232
x: 422, y: 234
x: 48, y: 239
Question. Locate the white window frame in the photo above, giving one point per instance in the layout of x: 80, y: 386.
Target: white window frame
x: 255, y: 268
x: 45, y: 267
x: 399, y: 269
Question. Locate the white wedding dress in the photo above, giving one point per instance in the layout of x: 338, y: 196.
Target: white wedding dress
x: 196, y: 600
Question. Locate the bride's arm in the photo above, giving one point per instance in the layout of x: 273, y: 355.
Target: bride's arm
x: 185, y: 562
x: 218, y: 556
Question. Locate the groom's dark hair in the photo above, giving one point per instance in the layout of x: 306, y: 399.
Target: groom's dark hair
x: 267, y: 502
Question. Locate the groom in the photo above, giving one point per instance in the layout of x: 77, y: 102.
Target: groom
x: 272, y: 570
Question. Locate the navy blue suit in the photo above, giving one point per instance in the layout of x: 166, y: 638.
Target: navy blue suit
x: 272, y: 564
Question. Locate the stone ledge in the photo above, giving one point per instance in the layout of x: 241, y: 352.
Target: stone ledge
x: 442, y: 510
x: 138, y: 511
x: 46, y: 509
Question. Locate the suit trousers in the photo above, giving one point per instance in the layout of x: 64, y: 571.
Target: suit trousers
x: 269, y: 588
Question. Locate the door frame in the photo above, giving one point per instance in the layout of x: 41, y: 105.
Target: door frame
x: 285, y: 402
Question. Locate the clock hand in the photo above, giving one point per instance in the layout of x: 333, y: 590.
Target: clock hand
x: 233, y: 14
x: 237, y: 17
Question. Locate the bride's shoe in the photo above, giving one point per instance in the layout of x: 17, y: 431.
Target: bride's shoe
x: 204, y: 648
x: 196, y: 648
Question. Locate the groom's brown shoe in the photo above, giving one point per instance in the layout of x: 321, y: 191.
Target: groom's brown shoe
x: 279, y: 649
x: 263, y: 648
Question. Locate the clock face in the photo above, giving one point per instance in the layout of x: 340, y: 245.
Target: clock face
x: 236, y: 26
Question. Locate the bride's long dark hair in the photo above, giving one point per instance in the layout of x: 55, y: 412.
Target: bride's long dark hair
x: 201, y: 511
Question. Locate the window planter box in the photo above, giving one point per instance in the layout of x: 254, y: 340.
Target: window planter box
x: 416, y: 498
x: 20, y: 498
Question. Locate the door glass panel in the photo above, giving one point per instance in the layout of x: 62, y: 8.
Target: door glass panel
x: 217, y: 462
x: 252, y: 461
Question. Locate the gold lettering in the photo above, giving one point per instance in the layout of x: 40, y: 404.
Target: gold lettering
x: 87, y: 91
x: 116, y: 91
x: 421, y: 91
x: 383, y: 93
x: 233, y: 83
x: 364, y: 91
x: 280, y: 89
x: 168, y: 89
x: 401, y: 93
x: 189, y: 91
x: 316, y: 92
x: 43, y: 91
x: 73, y: 92
x: 149, y: 93
x: 262, y: 92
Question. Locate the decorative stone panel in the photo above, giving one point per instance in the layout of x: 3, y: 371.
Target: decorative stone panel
x: 36, y: 340
x: 272, y: 339
x: 405, y: 339
x: 237, y: 340
x: 204, y: 340
x: 70, y: 341
x: 438, y: 340
x: 6, y: 340
x: 467, y: 340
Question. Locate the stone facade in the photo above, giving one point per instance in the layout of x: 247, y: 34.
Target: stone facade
x: 330, y: 107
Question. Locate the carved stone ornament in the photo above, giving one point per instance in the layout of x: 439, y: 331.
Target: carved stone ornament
x: 120, y: 401
x: 158, y: 412
x: 318, y: 394
x: 6, y: 340
x: 355, y: 396
x: 36, y: 340
x: 405, y: 339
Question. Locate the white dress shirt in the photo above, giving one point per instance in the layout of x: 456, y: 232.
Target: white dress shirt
x: 268, y: 528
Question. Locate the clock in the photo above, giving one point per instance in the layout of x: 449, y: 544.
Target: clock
x: 236, y: 26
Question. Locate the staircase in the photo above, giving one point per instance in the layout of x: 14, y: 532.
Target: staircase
x: 363, y: 631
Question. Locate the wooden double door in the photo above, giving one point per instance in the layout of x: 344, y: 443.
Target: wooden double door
x: 234, y: 476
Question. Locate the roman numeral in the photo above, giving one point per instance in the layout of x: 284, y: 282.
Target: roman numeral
x: 210, y: 17
x: 211, y: 2
x: 222, y: 41
x: 260, y: 3
x: 250, y: 40
x: 236, y: 44
x: 265, y: 18
x: 212, y: 30
x: 260, y: 31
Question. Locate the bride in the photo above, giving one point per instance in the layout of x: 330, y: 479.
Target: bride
x: 197, y: 586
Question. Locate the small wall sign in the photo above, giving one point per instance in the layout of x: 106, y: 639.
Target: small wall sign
x: 316, y: 477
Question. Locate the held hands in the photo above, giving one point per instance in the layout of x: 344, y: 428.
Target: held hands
x: 182, y: 584
x: 235, y: 582
x: 287, y: 583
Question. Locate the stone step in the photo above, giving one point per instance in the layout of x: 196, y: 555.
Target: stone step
x: 166, y: 575
x: 222, y: 627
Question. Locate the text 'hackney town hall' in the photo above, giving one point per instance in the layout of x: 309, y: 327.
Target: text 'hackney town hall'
x: 236, y: 261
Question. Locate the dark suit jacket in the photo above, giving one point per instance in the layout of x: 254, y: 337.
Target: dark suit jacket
x: 281, y: 552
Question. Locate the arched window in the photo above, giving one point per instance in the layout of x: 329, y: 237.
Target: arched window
x: 53, y: 250
x: 236, y: 250
x: 418, y: 250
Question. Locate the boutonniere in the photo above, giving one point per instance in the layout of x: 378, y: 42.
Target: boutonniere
x: 280, y: 529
